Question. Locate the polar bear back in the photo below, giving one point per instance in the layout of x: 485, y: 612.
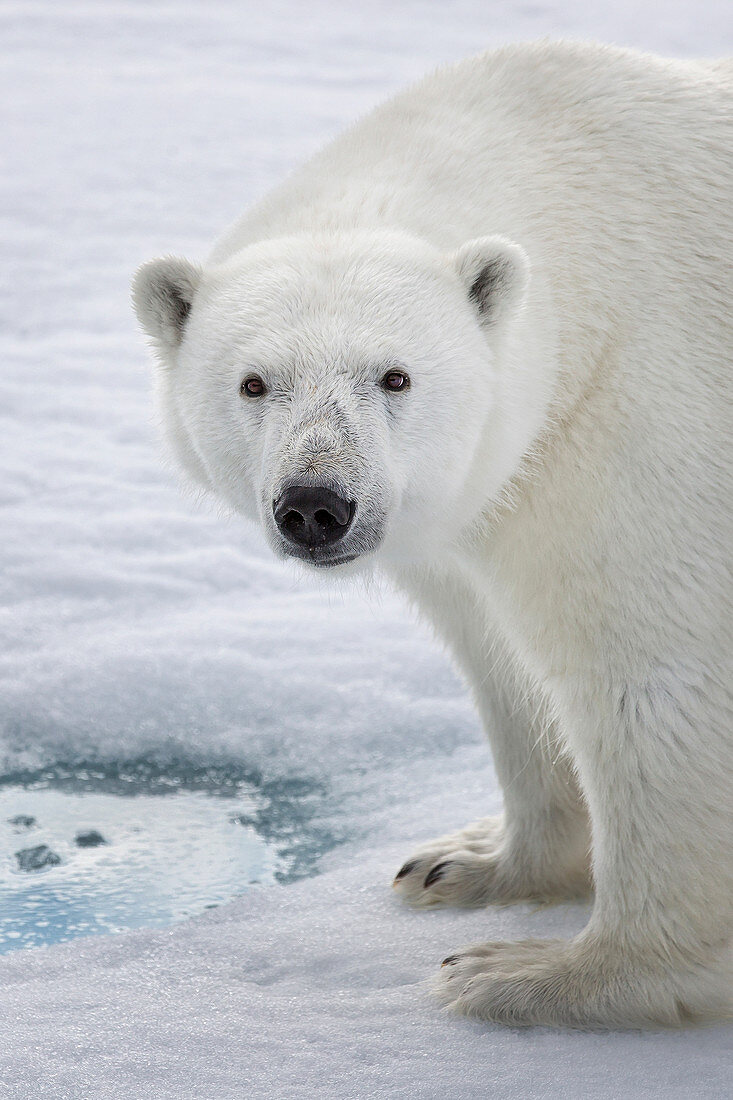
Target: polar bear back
x: 614, y: 170
x: 522, y: 140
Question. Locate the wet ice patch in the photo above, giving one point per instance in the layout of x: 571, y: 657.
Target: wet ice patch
x: 92, y: 849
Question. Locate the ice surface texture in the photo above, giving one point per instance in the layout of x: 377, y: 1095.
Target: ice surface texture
x: 134, y: 624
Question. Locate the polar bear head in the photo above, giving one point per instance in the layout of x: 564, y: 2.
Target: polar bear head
x: 338, y: 390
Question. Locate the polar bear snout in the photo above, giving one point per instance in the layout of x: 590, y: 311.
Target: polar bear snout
x: 311, y: 517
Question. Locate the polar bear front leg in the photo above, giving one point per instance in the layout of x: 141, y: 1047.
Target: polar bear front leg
x: 537, y: 850
x: 657, y: 949
x: 540, y: 848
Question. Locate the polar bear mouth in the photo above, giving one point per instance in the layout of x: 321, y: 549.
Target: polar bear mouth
x: 319, y: 557
x: 324, y: 563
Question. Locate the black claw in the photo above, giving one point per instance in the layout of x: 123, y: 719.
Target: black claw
x: 436, y: 874
x: 450, y: 960
x: 407, y: 869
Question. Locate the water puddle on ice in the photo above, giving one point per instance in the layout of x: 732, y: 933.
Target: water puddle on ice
x: 95, y: 849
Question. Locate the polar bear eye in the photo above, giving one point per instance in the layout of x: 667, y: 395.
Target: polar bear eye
x: 253, y: 386
x: 395, y: 380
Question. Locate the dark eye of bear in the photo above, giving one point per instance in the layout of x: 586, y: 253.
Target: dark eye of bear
x: 252, y: 386
x: 395, y: 380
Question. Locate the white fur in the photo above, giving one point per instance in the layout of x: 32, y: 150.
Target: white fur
x: 554, y: 491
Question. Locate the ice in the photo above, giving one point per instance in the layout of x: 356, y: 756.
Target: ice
x: 138, y: 625
x: 36, y: 858
x: 89, y: 839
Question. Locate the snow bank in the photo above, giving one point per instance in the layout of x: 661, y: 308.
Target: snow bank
x: 135, y: 623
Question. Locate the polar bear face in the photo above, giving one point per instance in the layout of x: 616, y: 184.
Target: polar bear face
x: 335, y: 389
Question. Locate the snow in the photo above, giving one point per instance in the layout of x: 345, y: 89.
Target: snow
x: 137, y: 623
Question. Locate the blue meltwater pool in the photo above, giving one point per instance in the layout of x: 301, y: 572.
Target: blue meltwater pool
x: 91, y: 849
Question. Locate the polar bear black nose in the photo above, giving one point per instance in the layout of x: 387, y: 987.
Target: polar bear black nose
x: 312, y: 517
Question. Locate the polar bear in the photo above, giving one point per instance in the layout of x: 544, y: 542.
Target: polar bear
x: 483, y: 342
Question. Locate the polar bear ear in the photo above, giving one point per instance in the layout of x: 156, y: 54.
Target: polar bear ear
x: 162, y: 294
x: 495, y: 272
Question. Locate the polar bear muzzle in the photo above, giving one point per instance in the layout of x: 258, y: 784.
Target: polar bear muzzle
x: 312, y: 518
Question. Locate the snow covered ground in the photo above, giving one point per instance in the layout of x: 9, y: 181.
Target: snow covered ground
x: 138, y: 624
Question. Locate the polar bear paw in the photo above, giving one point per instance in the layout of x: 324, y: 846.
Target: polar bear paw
x: 572, y: 984
x: 477, y: 866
